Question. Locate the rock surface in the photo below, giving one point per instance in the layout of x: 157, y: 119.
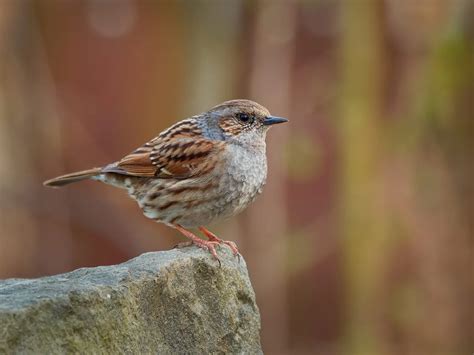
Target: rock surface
x: 171, y: 302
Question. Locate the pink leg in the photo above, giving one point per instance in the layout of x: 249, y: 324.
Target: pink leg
x: 213, y: 238
x: 207, y: 245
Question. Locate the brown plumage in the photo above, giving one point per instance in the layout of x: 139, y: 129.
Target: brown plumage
x: 199, y: 170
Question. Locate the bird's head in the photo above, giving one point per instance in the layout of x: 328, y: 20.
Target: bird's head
x: 244, y: 119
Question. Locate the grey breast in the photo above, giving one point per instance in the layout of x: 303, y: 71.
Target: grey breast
x: 245, y: 176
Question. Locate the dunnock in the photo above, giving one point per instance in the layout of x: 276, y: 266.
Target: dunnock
x: 201, y: 169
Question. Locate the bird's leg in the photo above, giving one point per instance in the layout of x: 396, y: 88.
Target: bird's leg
x: 207, y: 245
x: 213, y: 238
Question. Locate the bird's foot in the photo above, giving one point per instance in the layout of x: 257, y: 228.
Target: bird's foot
x: 213, y: 238
x: 209, y: 245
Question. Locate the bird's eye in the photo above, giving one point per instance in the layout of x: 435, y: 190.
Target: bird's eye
x: 245, y: 117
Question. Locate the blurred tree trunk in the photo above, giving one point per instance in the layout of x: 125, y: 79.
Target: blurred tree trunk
x: 427, y: 197
x: 28, y: 134
x: 266, y: 226
x: 439, y: 187
x: 361, y: 145
x: 213, y: 30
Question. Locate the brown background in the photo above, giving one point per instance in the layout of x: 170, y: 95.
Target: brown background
x: 362, y: 240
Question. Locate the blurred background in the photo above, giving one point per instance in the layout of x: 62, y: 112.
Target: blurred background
x: 362, y: 240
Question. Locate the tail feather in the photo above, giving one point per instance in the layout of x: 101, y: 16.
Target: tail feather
x: 72, y: 177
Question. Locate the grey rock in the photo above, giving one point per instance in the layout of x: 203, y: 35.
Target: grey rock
x: 171, y: 302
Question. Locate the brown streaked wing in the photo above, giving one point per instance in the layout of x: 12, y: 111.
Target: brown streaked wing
x: 169, y: 157
x: 137, y: 164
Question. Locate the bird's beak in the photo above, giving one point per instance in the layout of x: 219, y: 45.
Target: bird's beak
x: 271, y: 120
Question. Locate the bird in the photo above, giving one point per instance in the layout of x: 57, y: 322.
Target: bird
x: 200, y: 170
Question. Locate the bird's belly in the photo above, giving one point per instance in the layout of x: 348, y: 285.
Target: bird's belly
x: 201, y: 201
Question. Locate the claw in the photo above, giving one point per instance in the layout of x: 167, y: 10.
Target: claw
x: 212, y: 237
x: 209, y: 245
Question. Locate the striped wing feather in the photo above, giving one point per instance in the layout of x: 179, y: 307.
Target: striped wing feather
x: 179, y: 152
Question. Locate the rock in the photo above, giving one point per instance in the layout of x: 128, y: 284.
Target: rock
x: 171, y: 302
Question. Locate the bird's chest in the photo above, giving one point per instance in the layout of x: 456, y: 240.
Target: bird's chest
x: 244, y: 178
